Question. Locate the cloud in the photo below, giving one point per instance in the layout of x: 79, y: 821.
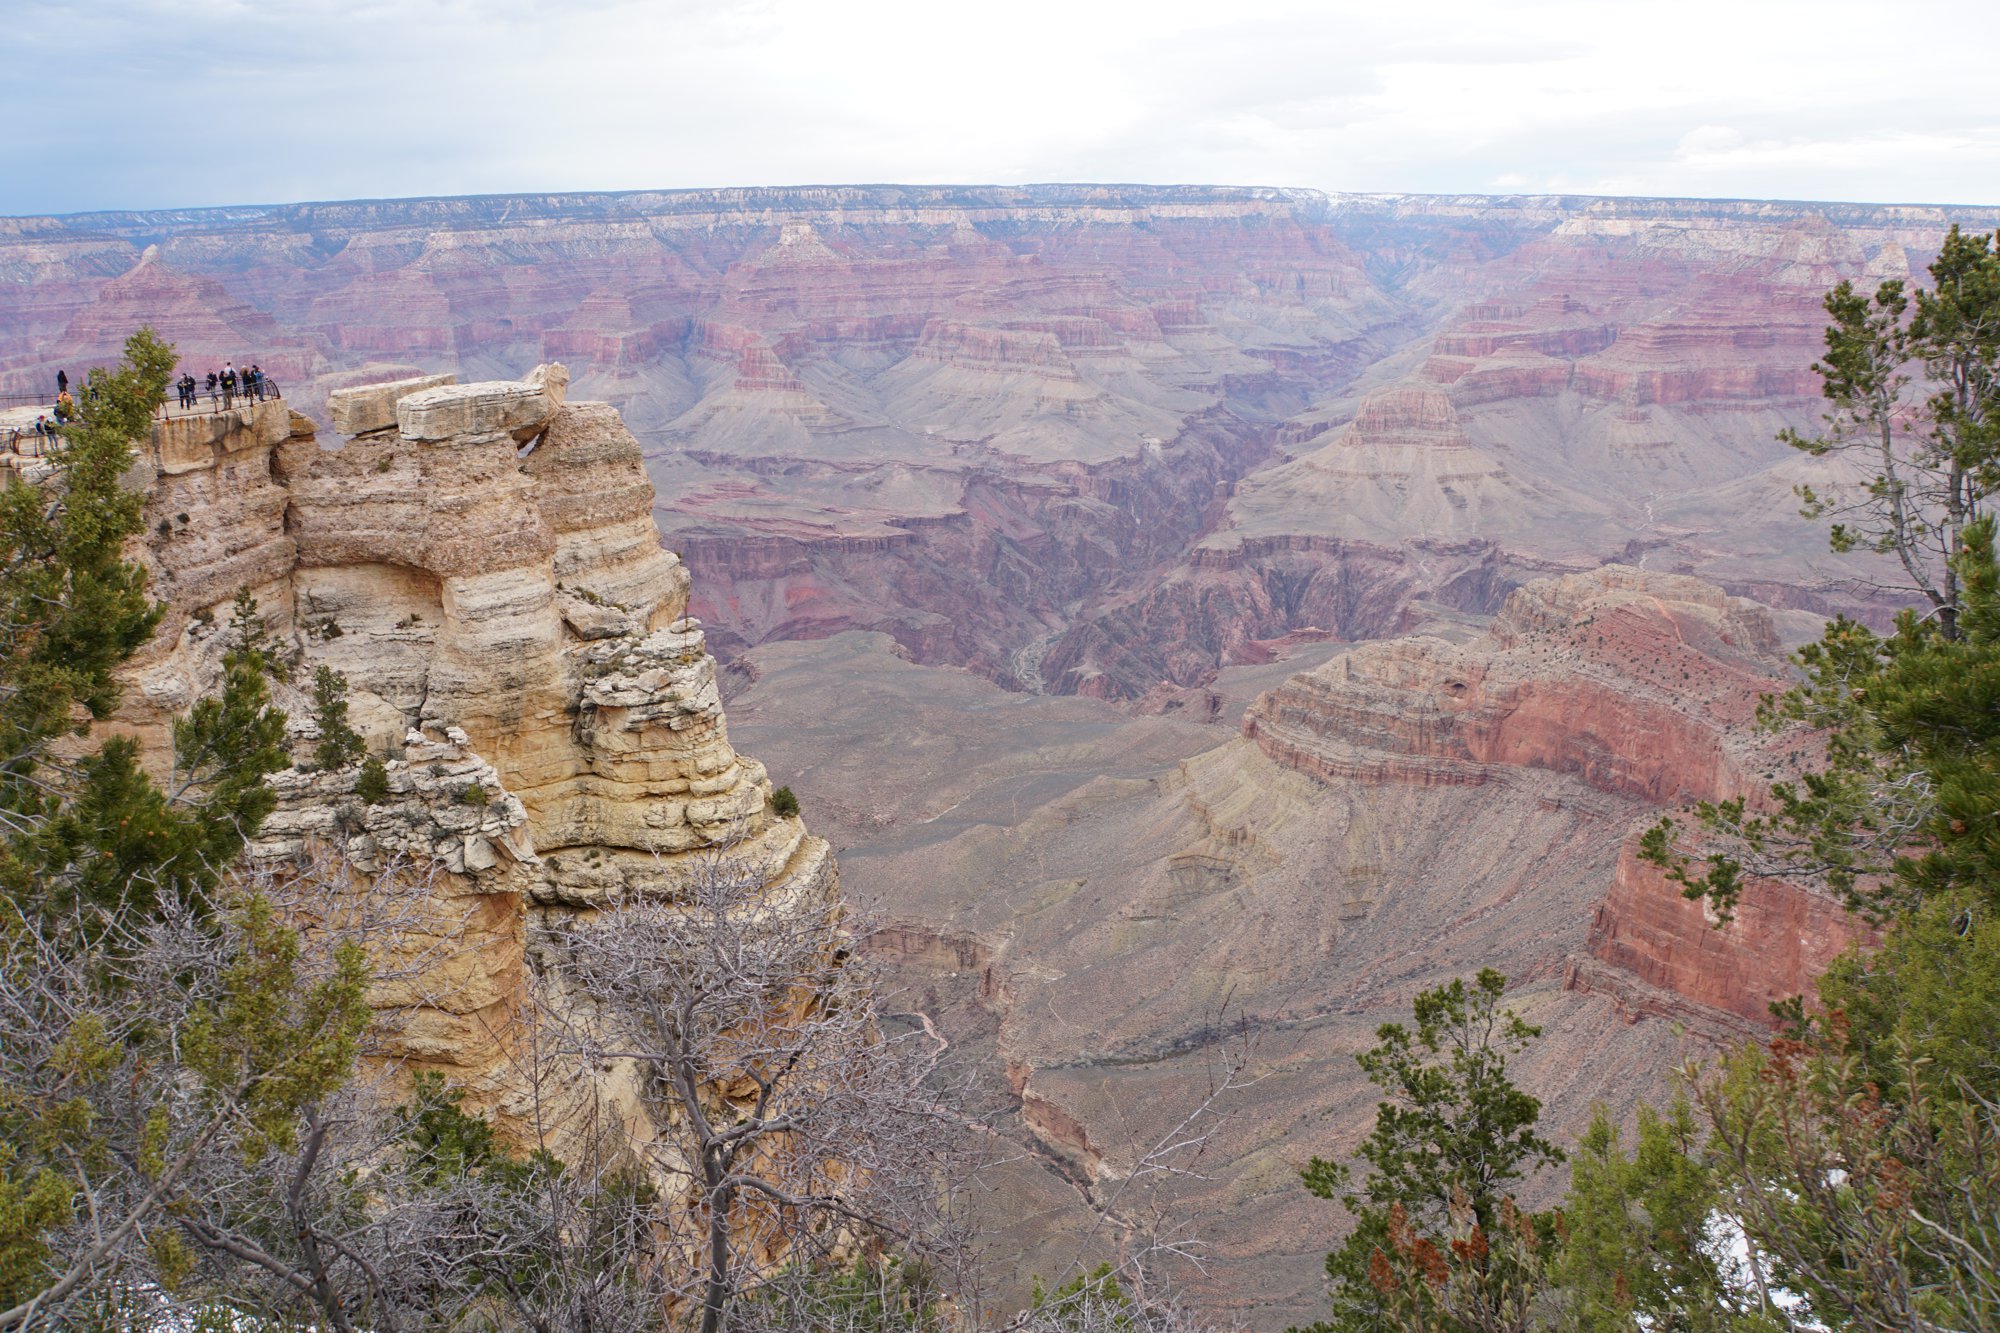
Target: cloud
x: 161, y: 103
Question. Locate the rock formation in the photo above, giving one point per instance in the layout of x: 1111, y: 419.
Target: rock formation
x: 1117, y: 444
x: 1642, y: 686
x: 480, y: 562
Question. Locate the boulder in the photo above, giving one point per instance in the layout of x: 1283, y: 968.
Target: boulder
x: 372, y: 407
x: 475, y: 413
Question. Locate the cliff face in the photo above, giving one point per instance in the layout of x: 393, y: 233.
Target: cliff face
x: 1654, y: 952
x: 1639, y: 685
x: 480, y: 561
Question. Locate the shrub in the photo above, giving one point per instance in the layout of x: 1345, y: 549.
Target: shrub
x: 339, y: 744
x: 373, y: 784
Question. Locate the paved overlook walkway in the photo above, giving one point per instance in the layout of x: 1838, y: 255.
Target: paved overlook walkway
x: 22, y: 450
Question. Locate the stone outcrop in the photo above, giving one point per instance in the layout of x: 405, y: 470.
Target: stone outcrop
x: 1643, y: 687
x: 1640, y: 684
x: 369, y: 408
x: 480, y: 561
x: 1656, y: 953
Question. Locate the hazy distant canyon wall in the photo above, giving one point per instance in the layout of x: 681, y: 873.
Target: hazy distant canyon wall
x: 1088, y: 439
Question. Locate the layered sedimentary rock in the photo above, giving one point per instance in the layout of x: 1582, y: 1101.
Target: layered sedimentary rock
x: 1107, y: 907
x: 1640, y: 685
x: 480, y: 562
x: 1122, y: 443
x: 1073, y: 437
x: 1655, y: 952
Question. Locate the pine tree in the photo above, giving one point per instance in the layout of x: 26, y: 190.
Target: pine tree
x: 71, y: 607
x: 1640, y: 1239
x: 1901, y: 811
x: 1914, y: 379
x: 339, y: 744
x: 111, y: 913
x: 1860, y: 1151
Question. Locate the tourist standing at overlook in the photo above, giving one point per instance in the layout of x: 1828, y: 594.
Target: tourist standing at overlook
x: 62, y: 383
x: 228, y: 384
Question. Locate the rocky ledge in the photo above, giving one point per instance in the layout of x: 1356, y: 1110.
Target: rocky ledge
x: 480, y: 562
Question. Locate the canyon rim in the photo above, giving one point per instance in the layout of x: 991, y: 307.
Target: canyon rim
x: 1194, y: 616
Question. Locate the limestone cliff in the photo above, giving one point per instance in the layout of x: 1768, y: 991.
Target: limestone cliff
x: 481, y: 562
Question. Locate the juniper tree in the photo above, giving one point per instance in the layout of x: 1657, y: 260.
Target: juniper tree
x: 795, y: 1131
x: 144, y: 1079
x: 85, y: 831
x: 1451, y: 1139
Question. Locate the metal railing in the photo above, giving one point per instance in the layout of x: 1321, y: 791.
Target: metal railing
x: 205, y: 402
x: 29, y: 443
x: 25, y: 442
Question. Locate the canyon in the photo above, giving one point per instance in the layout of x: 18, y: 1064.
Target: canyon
x: 1086, y: 439
x: 1200, y: 618
x: 1109, y: 911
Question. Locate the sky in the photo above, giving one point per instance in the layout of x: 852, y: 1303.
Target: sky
x: 149, y: 104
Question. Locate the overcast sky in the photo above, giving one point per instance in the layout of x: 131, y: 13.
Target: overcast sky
x: 169, y: 103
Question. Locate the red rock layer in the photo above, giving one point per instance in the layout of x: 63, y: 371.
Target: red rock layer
x: 1780, y: 938
x: 1638, y: 685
